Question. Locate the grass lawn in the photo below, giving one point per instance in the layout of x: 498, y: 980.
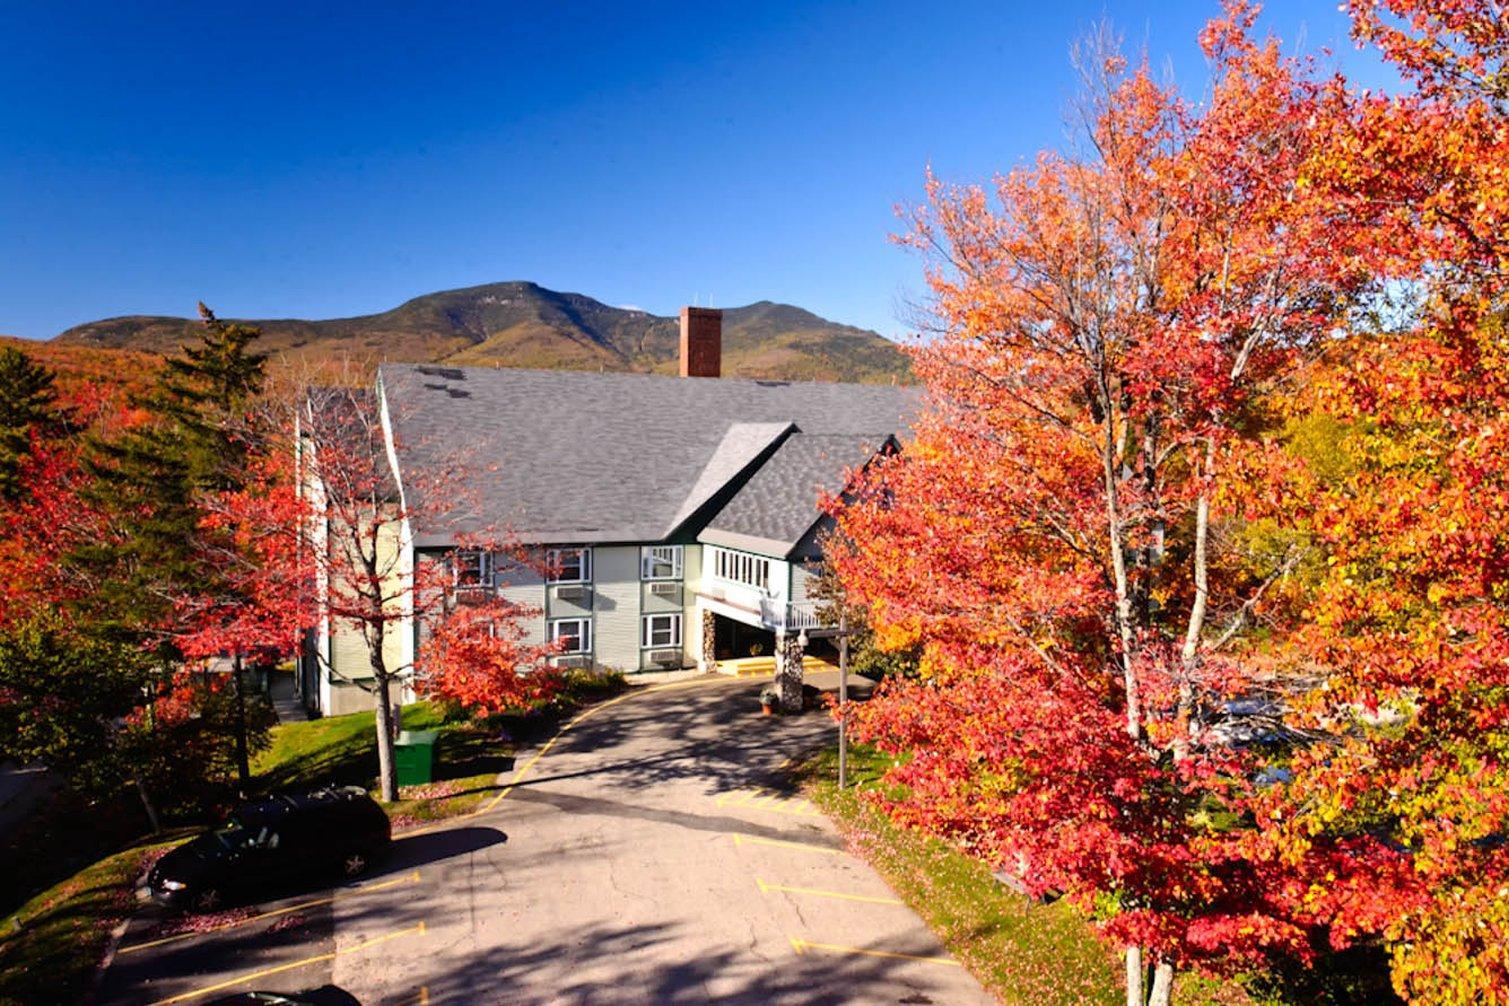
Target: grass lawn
x: 342, y: 750
x: 64, y: 930
x: 1025, y: 953
x: 334, y: 750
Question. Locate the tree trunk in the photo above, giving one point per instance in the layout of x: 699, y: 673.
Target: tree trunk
x: 387, y: 771
x: 1134, y: 977
x: 1191, y: 653
x: 1163, y: 985
x: 243, y: 764
x: 1123, y: 592
x: 146, y: 803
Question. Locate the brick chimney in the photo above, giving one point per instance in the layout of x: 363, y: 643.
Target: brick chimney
x: 701, y: 342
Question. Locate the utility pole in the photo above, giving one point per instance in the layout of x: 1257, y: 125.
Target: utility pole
x: 843, y: 696
x: 243, y: 766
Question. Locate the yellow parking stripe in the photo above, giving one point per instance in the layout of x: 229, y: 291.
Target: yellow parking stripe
x: 412, y: 878
x: 767, y: 801
x: 741, y: 839
x: 265, y: 972
x: 802, y: 946
x: 816, y: 893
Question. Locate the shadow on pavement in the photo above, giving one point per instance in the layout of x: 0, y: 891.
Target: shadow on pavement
x: 643, y: 964
x: 714, y: 733
x: 294, y: 925
x: 410, y: 851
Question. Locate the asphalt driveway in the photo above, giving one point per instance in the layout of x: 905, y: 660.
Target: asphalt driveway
x: 648, y: 855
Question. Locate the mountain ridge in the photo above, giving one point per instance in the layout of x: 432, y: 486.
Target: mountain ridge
x: 520, y: 323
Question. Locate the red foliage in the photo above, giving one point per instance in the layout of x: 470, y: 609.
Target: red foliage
x: 261, y: 592
x: 478, y: 656
x: 1102, y: 498
x: 1068, y: 533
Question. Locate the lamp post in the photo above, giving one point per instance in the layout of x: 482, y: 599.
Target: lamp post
x: 842, y: 634
x: 843, y: 698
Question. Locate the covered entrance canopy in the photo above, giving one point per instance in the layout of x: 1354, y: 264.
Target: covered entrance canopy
x: 735, y: 640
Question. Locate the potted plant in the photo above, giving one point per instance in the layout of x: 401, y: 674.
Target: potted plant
x: 770, y: 699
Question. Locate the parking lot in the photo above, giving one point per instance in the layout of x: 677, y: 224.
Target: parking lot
x: 651, y: 854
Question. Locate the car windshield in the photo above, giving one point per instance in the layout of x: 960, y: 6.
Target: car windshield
x: 233, y: 834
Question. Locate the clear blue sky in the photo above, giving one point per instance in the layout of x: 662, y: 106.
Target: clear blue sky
x: 317, y: 160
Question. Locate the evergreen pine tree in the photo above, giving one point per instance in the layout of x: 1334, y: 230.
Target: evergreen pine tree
x: 151, y: 480
x: 28, y: 405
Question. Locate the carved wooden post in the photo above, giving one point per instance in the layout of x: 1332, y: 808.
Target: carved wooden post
x: 709, y: 660
x: 788, y: 670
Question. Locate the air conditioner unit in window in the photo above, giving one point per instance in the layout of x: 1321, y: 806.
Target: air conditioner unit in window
x: 579, y: 660
x: 667, y: 589
x: 576, y: 592
x: 472, y: 593
x: 665, y: 657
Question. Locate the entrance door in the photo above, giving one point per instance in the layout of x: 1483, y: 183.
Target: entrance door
x: 735, y: 640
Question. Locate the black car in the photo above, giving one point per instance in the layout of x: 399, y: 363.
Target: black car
x: 327, y: 995
x: 334, y: 832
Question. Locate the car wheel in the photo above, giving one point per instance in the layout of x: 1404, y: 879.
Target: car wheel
x: 354, y: 863
x: 207, y: 900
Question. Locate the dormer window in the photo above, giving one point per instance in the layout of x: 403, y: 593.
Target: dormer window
x: 660, y: 562
x: 569, y: 565
x: 471, y: 569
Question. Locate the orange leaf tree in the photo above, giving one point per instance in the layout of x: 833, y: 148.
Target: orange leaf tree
x: 1064, y: 532
x: 1408, y: 629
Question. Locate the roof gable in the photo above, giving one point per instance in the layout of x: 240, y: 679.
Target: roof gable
x: 773, y: 511
x: 573, y: 457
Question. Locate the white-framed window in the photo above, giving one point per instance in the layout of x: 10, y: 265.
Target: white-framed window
x: 472, y: 568
x: 569, y: 565
x: 660, y: 562
x: 573, y: 634
x: 741, y: 567
x: 657, y: 631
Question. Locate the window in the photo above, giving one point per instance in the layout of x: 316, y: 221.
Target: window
x: 740, y: 567
x: 471, y: 568
x: 569, y: 565
x: 660, y: 630
x: 573, y: 634
x: 660, y: 562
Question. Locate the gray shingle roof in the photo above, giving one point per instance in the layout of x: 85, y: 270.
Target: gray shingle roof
x: 741, y: 446
x: 776, y: 508
x: 572, y: 457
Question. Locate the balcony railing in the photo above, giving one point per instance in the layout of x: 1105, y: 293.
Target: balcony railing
x: 802, y: 615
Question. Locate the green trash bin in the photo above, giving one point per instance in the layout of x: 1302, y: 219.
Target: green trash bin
x: 414, y: 756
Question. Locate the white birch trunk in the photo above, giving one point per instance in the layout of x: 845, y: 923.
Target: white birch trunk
x: 1134, y: 977
x: 1163, y: 985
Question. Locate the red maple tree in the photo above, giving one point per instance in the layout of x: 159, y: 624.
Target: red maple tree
x: 359, y: 521
x: 1396, y: 826
x: 1075, y: 532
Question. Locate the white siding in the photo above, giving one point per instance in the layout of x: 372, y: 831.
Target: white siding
x: 349, y: 660
x: 745, y: 595
x: 801, y: 580
x: 615, y: 606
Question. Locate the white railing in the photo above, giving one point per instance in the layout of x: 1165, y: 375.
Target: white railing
x: 802, y: 615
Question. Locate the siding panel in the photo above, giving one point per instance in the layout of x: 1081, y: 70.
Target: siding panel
x: 523, y: 585
x: 691, y: 625
x: 616, y: 606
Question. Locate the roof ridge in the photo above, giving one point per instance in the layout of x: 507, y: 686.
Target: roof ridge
x: 440, y: 365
